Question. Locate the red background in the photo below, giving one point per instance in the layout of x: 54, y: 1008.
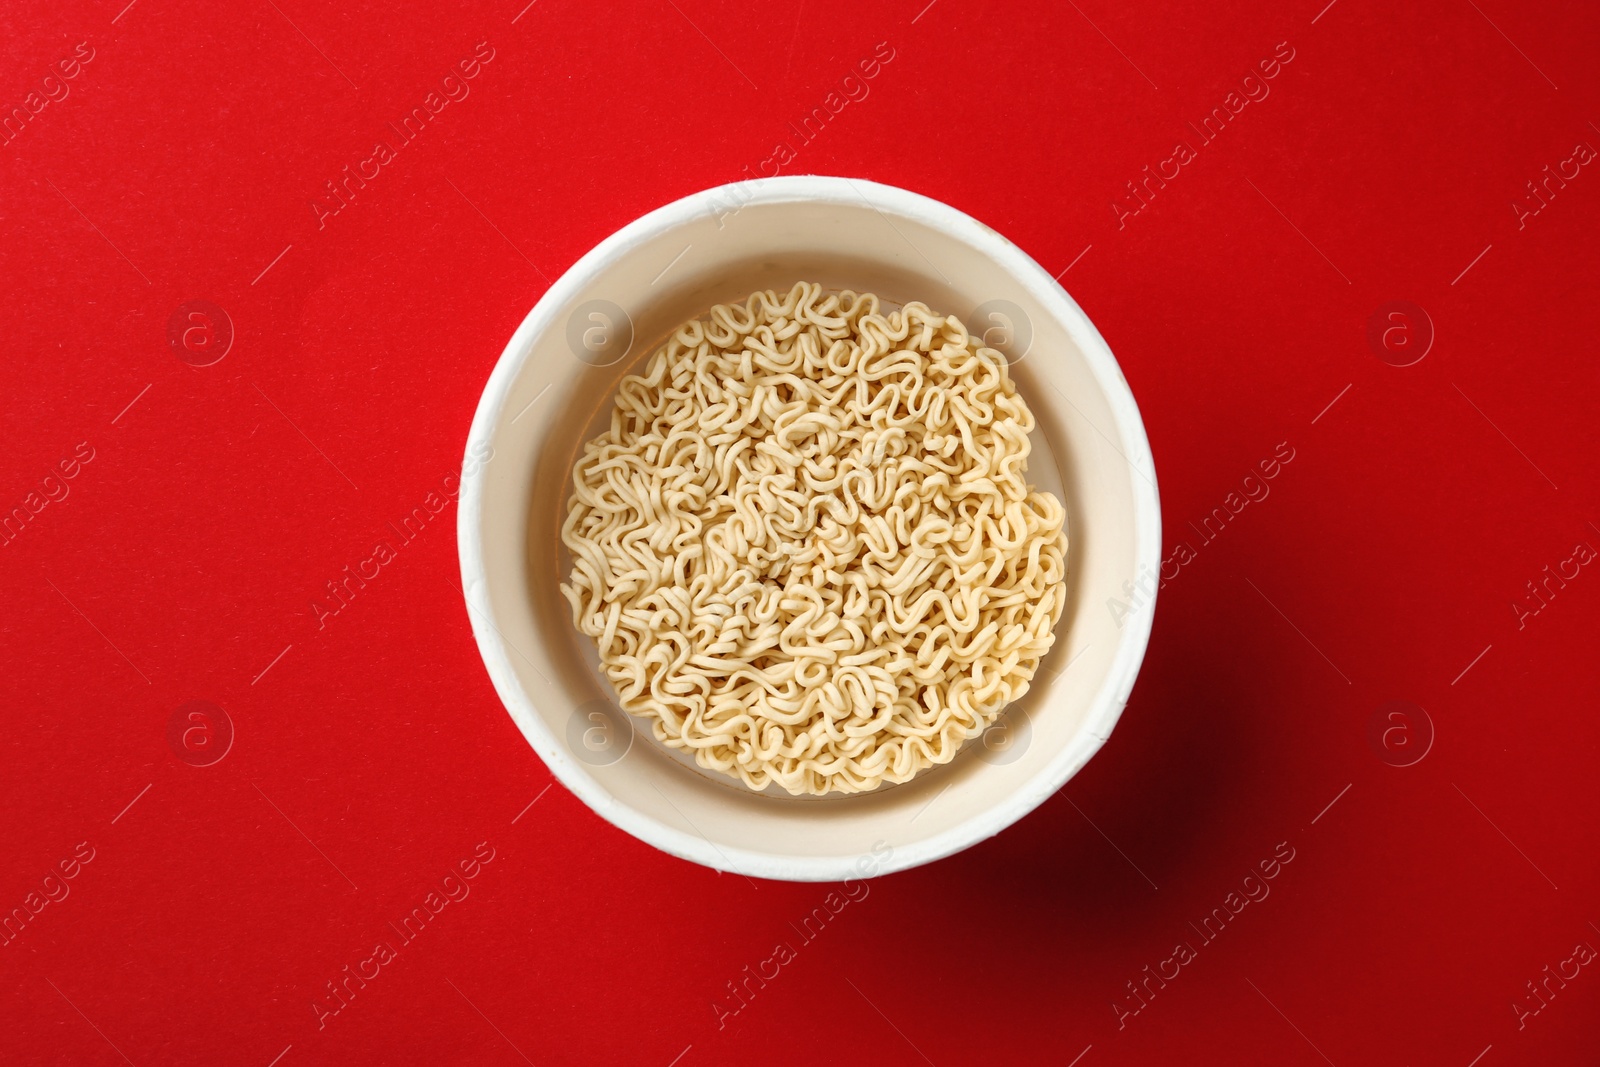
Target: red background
x: 371, y: 755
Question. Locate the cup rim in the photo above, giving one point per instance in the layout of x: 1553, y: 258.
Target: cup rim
x: 1112, y: 692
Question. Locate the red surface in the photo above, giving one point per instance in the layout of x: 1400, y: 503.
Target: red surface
x: 370, y: 755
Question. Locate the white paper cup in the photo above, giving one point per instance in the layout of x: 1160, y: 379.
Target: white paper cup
x: 607, y: 315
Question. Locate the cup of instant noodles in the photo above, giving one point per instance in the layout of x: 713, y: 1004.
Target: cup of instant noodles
x: 798, y: 525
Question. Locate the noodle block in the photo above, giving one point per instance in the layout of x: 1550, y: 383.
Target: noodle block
x: 806, y: 548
